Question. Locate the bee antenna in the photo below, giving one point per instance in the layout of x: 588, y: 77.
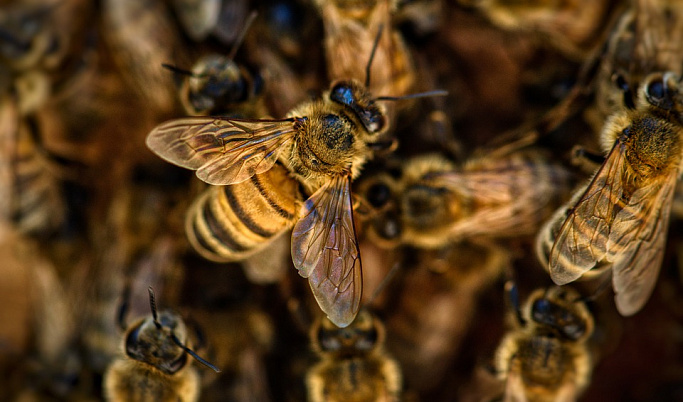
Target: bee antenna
x: 372, y: 55
x: 387, y: 278
x: 153, y: 306
x: 438, y: 92
x: 243, y: 33
x: 513, y: 300
x: 179, y: 70
x: 123, y: 308
x: 193, y: 354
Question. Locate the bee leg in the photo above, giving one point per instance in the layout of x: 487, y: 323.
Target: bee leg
x: 384, y: 147
x: 586, y: 160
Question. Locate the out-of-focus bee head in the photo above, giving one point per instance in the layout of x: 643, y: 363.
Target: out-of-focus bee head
x: 362, y: 336
x: 560, y: 310
x: 152, y: 342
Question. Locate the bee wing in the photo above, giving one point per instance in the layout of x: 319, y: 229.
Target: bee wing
x: 637, y: 241
x: 325, y: 250
x: 223, y: 151
x: 582, y: 240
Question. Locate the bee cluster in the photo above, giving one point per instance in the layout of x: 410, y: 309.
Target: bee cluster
x: 457, y: 200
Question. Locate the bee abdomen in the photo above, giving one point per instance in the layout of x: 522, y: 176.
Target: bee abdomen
x: 229, y: 223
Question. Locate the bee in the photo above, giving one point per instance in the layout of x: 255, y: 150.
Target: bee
x: 546, y: 356
x: 449, y: 280
x: 32, y: 198
x: 353, y: 364
x: 217, y: 85
x: 141, y: 36
x: 350, y: 31
x: 434, y: 203
x: 572, y: 27
x: 322, y: 144
x: 155, y: 366
x: 39, y: 336
x: 647, y: 38
x: 619, y: 221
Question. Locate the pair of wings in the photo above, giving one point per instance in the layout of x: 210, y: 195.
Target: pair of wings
x: 324, y: 245
x: 626, y: 230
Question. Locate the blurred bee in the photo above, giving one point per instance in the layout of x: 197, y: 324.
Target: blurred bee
x: 141, y: 37
x: 323, y: 144
x: 32, y: 198
x: 38, y: 335
x: 40, y: 34
x: 434, y: 203
x: 450, y: 281
x: 155, y: 366
x: 351, y: 29
x: 545, y: 356
x: 619, y: 221
x: 353, y: 364
x: 573, y: 27
x: 219, y: 86
x: 647, y: 38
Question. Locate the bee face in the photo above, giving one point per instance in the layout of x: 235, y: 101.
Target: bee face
x: 362, y: 336
x: 559, y: 310
x: 358, y: 100
x: 546, y: 357
x: 154, y: 345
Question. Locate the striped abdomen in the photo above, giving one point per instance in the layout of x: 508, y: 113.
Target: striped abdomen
x: 33, y: 200
x: 229, y: 223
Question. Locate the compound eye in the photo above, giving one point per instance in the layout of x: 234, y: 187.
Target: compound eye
x: 655, y: 90
x: 378, y: 195
x: 540, y: 309
x: 342, y: 93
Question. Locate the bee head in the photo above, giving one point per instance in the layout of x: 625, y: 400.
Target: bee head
x: 361, y: 336
x: 356, y: 99
x: 153, y: 344
x: 662, y: 91
x: 560, y: 311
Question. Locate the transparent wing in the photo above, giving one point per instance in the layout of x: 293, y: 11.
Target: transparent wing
x: 325, y: 250
x: 223, y: 151
x: 638, y: 240
x: 582, y: 241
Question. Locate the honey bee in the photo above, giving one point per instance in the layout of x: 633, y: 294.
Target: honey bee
x: 39, y: 333
x: 546, y: 357
x: 351, y: 29
x: 155, y: 366
x: 323, y: 145
x: 32, y: 198
x: 646, y: 39
x: 449, y: 280
x: 141, y: 37
x: 353, y: 364
x: 434, y: 203
x: 216, y: 85
x: 619, y: 221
